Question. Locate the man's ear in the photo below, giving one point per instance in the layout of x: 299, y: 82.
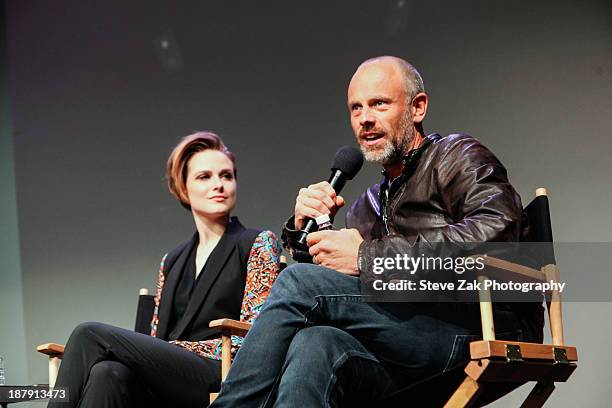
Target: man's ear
x: 419, y: 107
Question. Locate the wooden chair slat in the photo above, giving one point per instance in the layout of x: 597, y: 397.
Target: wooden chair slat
x: 530, y: 351
x: 492, y: 371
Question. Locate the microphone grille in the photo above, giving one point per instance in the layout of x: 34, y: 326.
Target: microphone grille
x: 348, y: 160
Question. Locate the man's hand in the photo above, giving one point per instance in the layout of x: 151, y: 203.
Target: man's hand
x: 317, y: 199
x: 337, y: 250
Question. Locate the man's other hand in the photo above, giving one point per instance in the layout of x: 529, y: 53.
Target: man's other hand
x: 337, y: 250
x: 317, y: 199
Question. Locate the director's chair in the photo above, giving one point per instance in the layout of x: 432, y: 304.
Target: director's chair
x: 497, y: 367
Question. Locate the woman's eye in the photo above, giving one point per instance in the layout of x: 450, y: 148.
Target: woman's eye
x: 228, y: 176
x: 203, y: 177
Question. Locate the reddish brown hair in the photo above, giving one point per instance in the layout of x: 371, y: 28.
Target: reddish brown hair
x: 178, y: 162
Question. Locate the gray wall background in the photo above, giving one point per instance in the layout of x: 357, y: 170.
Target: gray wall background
x: 97, y: 103
x: 12, y: 329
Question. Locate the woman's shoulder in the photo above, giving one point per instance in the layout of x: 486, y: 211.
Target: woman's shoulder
x: 171, y: 256
x: 252, y: 235
x: 246, y: 236
x: 179, y: 249
x: 266, y: 240
x: 257, y: 239
x: 266, y: 235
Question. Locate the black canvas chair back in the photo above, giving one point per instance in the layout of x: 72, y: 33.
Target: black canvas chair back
x: 144, y: 314
x: 539, y: 231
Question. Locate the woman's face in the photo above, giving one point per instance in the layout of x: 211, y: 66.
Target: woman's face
x: 211, y: 185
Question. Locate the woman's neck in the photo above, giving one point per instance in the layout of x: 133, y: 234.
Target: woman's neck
x: 210, y: 229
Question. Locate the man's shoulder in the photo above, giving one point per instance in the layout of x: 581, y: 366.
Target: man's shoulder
x: 461, y: 147
x: 455, y: 140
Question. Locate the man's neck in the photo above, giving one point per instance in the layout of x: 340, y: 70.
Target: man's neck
x: 395, y: 169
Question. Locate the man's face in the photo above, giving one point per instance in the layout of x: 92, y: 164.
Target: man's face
x: 380, y: 114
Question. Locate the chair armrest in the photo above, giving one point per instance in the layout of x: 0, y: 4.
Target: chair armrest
x: 511, y: 269
x: 55, y: 352
x: 231, y: 326
x: 51, y: 349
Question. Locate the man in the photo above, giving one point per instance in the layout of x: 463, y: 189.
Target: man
x: 317, y: 342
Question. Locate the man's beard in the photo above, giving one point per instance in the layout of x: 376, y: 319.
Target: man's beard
x: 394, y: 149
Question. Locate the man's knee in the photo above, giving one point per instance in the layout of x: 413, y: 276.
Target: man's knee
x: 330, y: 359
x: 293, y: 280
x: 325, y: 343
x: 304, y: 280
x: 317, y: 337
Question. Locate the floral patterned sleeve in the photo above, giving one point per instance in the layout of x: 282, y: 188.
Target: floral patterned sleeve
x: 160, y: 285
x: 263, y: 267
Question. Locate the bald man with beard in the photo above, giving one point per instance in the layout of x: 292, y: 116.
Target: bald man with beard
x: 318, y: 342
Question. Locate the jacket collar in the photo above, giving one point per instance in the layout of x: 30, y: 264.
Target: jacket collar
x: 216, y: 262
x: 411, y: 159
x: 388, y: 188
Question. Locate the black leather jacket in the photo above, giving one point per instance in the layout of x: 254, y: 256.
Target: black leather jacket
x: 453, y: 189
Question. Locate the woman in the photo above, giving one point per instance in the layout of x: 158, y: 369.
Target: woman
x: 200, y: 280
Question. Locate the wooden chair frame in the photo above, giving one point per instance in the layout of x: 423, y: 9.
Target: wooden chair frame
x: 229, y: 328
x: 494, y: 361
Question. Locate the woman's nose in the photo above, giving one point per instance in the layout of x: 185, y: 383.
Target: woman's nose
x: 218, y: 183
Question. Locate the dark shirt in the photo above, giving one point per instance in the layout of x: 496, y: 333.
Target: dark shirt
x: 185, y: 287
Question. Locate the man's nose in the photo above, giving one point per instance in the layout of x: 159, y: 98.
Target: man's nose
x: 366, y: 119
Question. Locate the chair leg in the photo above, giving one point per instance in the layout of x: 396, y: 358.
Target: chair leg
x: 54, y: 364
x: 538, y: 395
x: 226, y: 360
x: 465, y: 395
x: 226, y: 354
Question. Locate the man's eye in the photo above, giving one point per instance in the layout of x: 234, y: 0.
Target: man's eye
x: 355, y: 107
x: 380, y: 103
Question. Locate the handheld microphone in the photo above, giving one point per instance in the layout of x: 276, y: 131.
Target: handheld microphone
x: 346, y: 165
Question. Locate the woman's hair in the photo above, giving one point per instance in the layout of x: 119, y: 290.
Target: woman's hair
x: 178, y: 162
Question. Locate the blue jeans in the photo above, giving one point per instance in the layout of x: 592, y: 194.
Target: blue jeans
x: 317, y: 342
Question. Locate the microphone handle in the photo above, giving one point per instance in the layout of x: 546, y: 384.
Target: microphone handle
x: 337, y: 180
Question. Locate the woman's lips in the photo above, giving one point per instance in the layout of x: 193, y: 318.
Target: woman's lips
x: 218, y: 198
